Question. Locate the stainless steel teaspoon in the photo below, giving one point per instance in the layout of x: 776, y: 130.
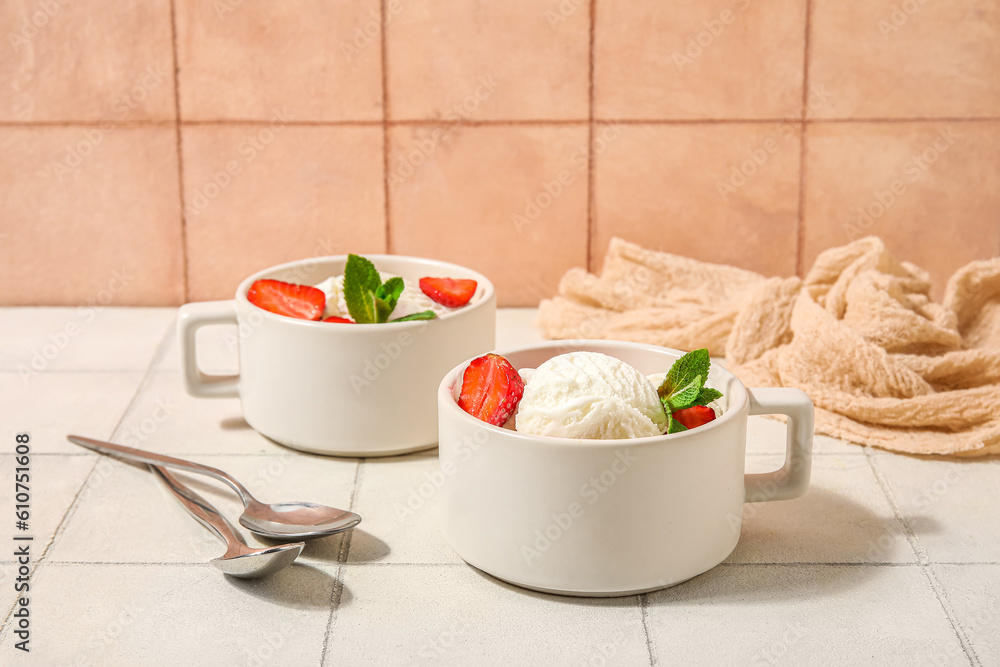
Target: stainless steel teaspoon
x: 239, y: 559
x: 298, y: 520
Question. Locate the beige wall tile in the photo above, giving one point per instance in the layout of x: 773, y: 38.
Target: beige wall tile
x: 508, y: 201
x: 486, y: 60
x: 718, y: 192
x: 257, y: 195
x: 891, y: 59
x: 930, y: 190
x: 86, y: 61
x: 90, y: 215
x: 694, y: 59
x: 317, y: 59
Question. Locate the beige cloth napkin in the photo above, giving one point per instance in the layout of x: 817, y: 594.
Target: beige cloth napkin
x: 884, y: 364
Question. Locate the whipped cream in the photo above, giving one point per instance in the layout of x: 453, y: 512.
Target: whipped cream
x: 412, y: 300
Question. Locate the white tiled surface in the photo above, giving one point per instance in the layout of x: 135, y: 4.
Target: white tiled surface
x: 96, y: 401
x: 55, y: 482
x: 454, y: 615
x: 38, y: 340
x: 155, y: 614
x: 844, y: 517
x: 887, y: 560
x: 802, y: 614
x: 951, y: 507
x: 398, y: 499
x: 973, y: 593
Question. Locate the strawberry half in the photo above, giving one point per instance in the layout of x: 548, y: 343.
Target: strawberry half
x: 450, y: 292
x: 491, y: 389
x: 334, y: 318
x: 695, y: 416
x: 289, y: 299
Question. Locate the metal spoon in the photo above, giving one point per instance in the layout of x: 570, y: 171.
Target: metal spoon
x: 299, y: 520
x: 239, y: 559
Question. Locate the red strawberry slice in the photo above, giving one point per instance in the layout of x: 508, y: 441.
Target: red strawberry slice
x: 694, y: 417
x: 289, y: 299
x: 491, y: 389
x: 334, y: 318
x: 450, y: 292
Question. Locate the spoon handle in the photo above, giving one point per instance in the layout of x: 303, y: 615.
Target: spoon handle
x: 142, y: 456
x: 200, y: 509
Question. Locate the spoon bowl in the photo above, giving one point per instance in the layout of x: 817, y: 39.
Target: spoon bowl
x: 296, y: 519
x: 258, y: 562
x: 239, y: 560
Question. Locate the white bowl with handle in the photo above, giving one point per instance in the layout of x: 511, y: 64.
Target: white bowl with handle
x: 609, y: 517
x: 341, y: 389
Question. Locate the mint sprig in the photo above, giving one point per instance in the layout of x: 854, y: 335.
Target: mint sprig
x: 361, y: 282
x: 422, y: 315
x: 386, y: 297
x: 684, y: 386
x: 369, y: 300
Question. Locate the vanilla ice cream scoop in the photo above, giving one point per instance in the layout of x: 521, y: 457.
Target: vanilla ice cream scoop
x: 589, y: 395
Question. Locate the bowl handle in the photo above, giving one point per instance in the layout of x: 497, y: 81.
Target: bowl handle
x: 792, y: 479
x: 193, y: 316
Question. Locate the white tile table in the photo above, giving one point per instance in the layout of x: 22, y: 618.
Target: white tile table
x: 887, y: 560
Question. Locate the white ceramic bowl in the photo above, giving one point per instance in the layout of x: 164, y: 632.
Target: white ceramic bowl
x: 609, y: 517
x: 342, y: 389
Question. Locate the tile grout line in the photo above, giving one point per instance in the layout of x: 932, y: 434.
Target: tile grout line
x: 196, y: 453
x: 146, y: 380
x: 70, y: 454
x: 494, y: 122
x: 56, y: 371
x: 803, y: 563
x: 291, y: 122
x: 376, y: 564
x: 923, y: 561
x: 644, y: 613
x: 335, y: 597
x: 590, y: 137
x: 800, y: 223
x: 103, y: 122
x: 345, y: 546
x: 312, y: 563
x: 931, y: 574
x: 74, y: 502
x: 883, y: 484
x: 385, y: 129
x: 921, y: 119
x: 342, y: 555
x: 180, y: 152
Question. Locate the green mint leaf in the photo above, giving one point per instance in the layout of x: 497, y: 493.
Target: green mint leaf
x: 386, y: 298
x: 390, y: 291
x: 684, y: 397
x: 683, y: 384
x: 422, y: 315
x: 361, y: 282
x: 382, y: 310
x: 674, y: 426
x: 684, y: 370
x: 707, y: 395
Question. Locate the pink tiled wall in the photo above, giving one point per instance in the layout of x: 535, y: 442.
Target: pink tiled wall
x: 158, y: 151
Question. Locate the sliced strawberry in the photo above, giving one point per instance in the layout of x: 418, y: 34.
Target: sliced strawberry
x: 451, y: 292
x: 334, y: 318
x: 694, y: 417
x: 491, y: 389
x: 289, y: 299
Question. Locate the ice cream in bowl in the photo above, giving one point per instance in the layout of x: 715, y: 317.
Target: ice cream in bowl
x: 342, y: 355
x: 603, y: 468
